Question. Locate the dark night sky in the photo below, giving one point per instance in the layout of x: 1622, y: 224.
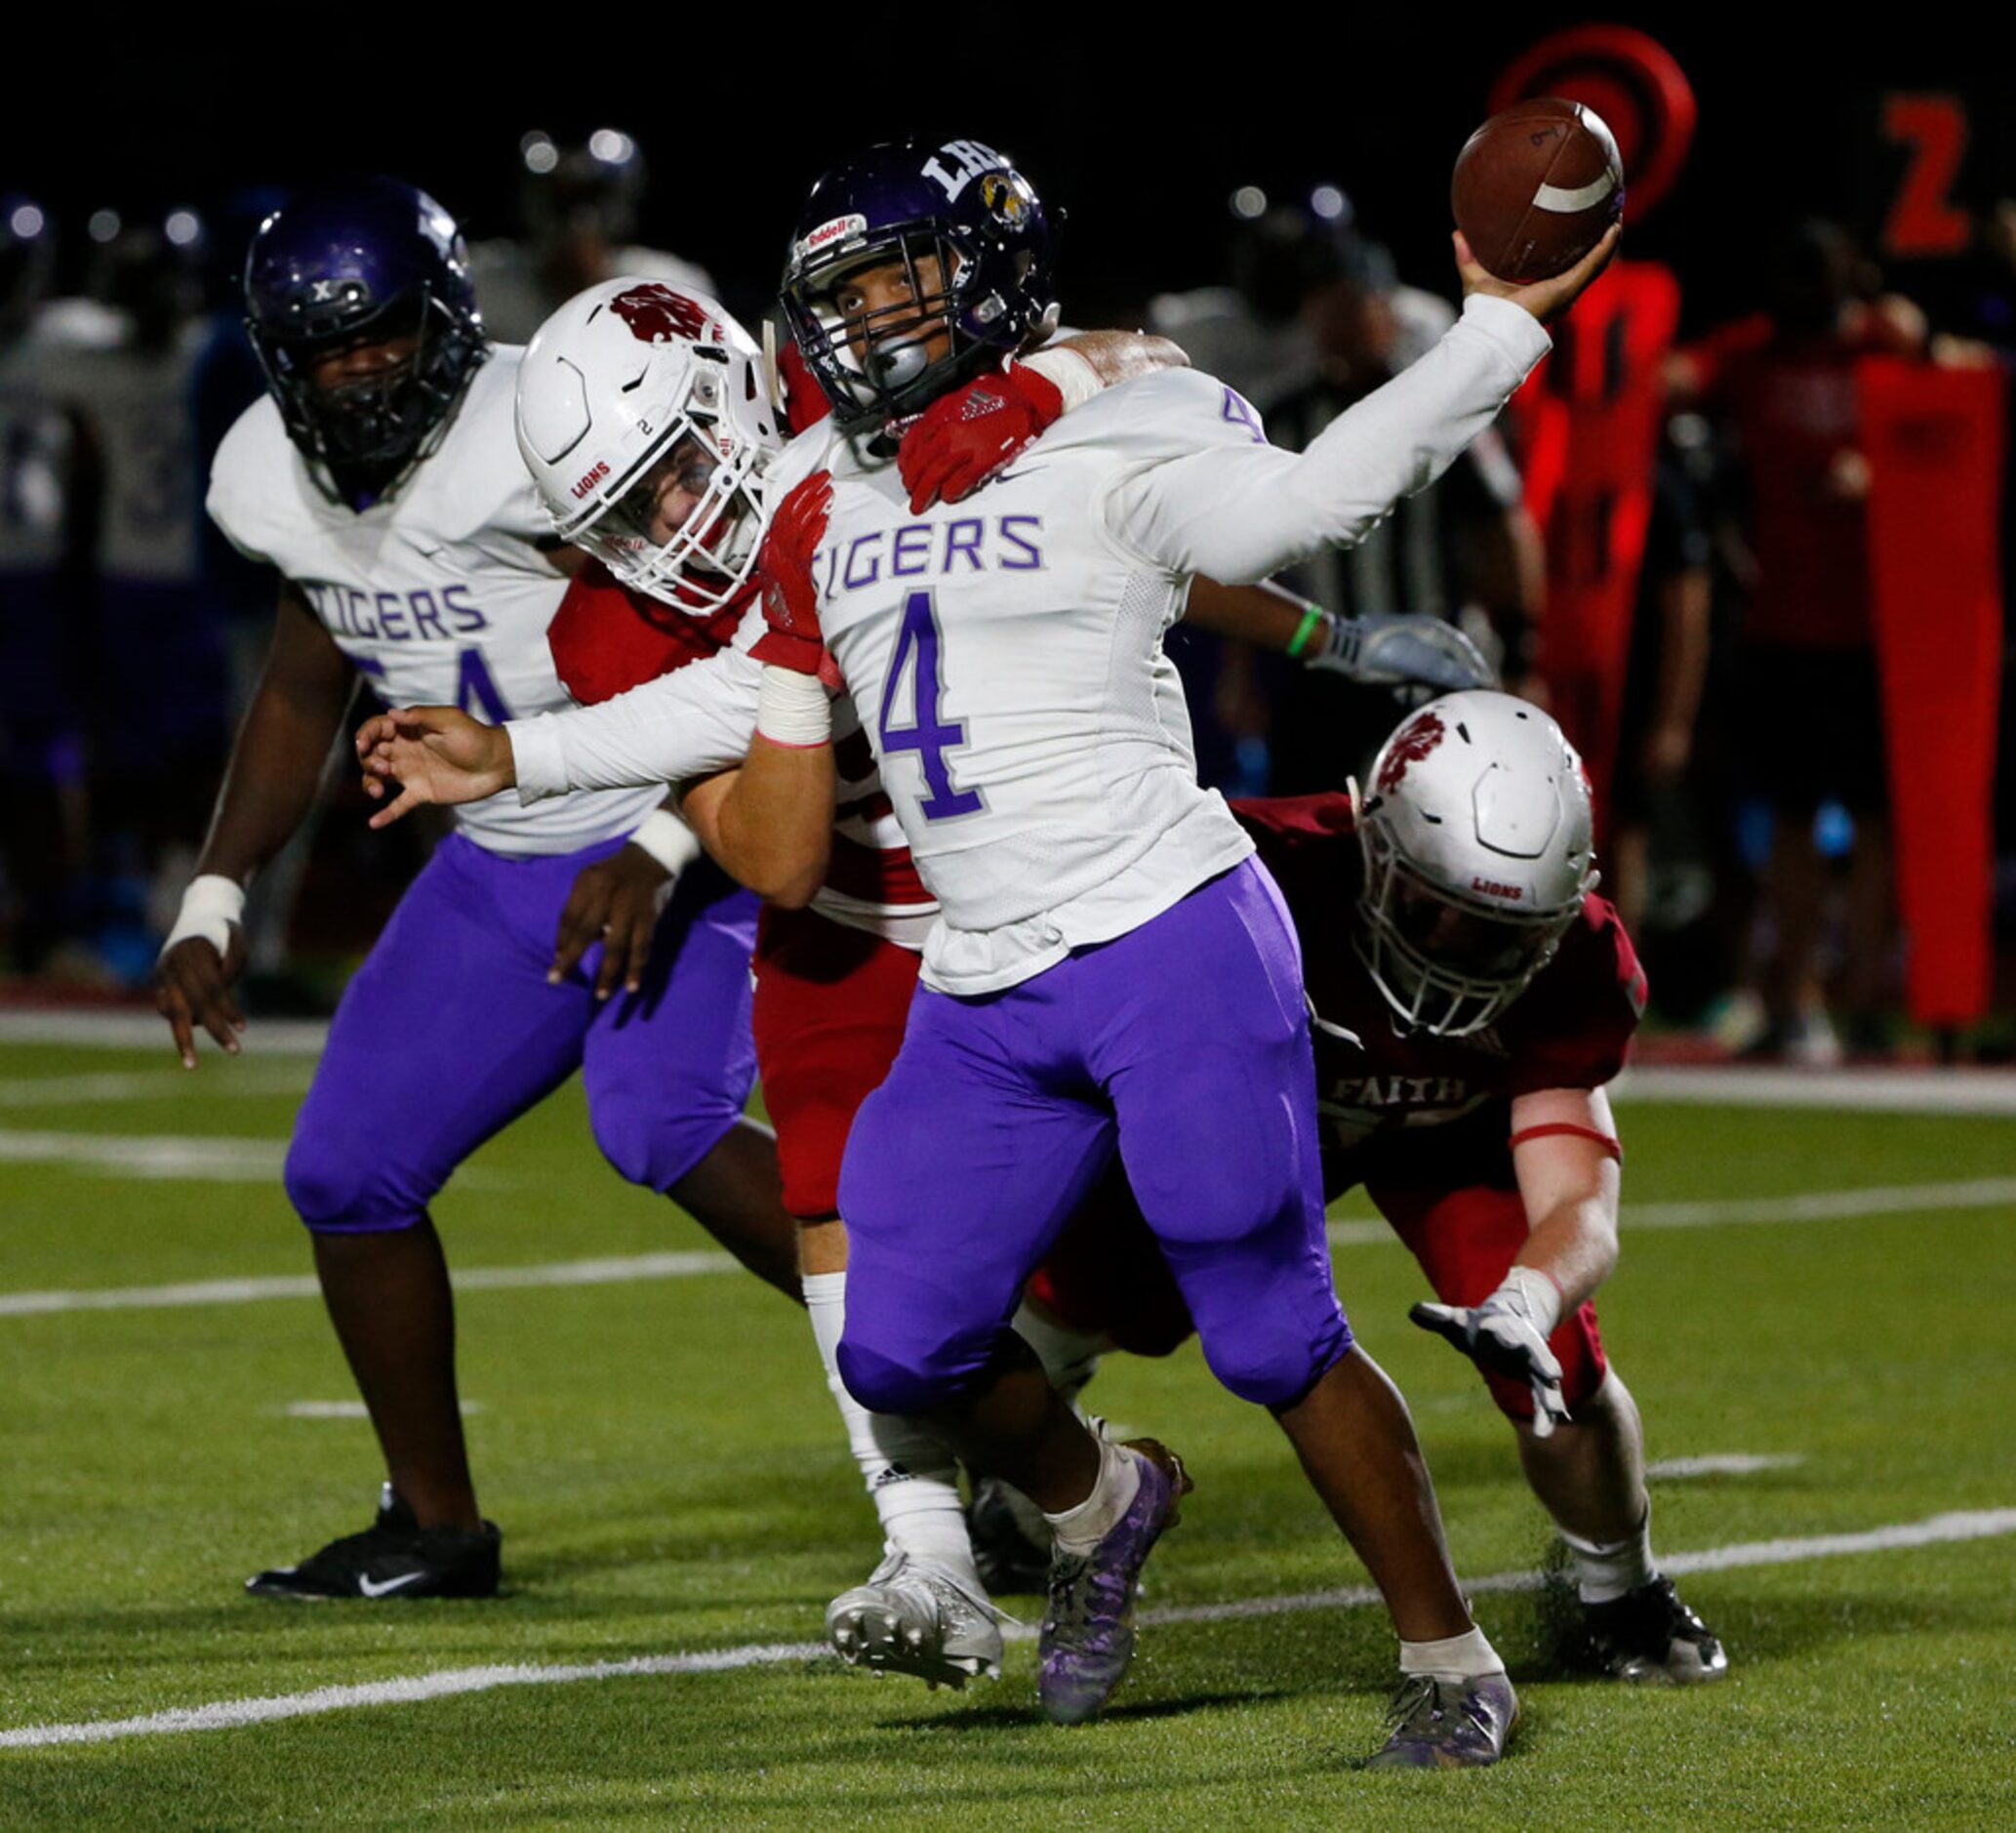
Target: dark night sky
x: 1142, y: 141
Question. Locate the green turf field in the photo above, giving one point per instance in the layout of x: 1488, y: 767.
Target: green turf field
x: 664, y: 1464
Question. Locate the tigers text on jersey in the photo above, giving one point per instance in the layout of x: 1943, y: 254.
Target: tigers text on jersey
x: 657, y: 709
x: 1006, y: 651
x: 439, y: 593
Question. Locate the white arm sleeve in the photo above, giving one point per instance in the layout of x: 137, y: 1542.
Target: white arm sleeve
x: 689, y: 723
x: 1239, y: 513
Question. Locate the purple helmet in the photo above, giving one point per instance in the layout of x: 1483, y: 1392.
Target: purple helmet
x: 960, y: 203
x: 359, y: 262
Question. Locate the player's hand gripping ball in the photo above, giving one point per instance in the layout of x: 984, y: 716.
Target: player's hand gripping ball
x: 1536, y: 187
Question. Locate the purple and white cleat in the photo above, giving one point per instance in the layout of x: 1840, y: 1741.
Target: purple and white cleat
x: 1088, y: 1630
x: 1447, y: 1725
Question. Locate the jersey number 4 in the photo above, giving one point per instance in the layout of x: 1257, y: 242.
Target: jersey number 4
x: 929, y: 736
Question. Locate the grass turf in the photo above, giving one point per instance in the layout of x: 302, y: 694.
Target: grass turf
x: 670, y: 1480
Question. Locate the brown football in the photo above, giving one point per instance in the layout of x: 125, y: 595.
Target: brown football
x: 1536, y: 186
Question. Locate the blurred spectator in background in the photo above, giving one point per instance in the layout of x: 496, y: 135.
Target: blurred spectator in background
x: 1783, y: 380
x: 578, y: 207
x: 162, y: 693
x: 1663, y: 680
x: 42, y: 782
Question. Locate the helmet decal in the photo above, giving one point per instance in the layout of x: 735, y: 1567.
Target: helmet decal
x: 655, y: 314
x: 1410, y: 745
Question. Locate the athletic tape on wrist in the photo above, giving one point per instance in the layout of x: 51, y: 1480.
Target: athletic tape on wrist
x: 793, y: 709
x: 210, y: 906
x: 1073, y: 375
x: 668, y: 839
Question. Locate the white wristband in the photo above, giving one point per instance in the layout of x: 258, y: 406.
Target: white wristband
x: 793, y: 709
x: 210, y: 906
x: 668, y: 839
x: 1537, y: 1293
x: 1073, y: 375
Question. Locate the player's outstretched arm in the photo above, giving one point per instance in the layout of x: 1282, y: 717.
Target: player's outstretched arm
x: 1230, y: 506
x: 1568, y: 1162
x: 276, y: 764
x: 1566, y: 1155
x: 413, y: 756
x: 1378, y: 648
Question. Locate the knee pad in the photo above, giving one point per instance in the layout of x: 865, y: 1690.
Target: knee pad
x: 1274, y: 1368
x: 655, y: 1142
x: 884, y: 1386
x: 334, y: 1188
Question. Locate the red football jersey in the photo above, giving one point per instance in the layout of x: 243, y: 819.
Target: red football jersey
x: 1570, y: 1029
x: 606, y: 638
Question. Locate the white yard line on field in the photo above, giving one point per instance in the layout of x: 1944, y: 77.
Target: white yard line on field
x: 612, y: 1272
x: 1722, y: 1464
x: 1803, y: 1206
x: 190, y: 1158
x: 137, y: 1029
x: 1810, y: 1205
x: 88, y: 1090
x: 1921, y: 1090
x: 448, y: 1683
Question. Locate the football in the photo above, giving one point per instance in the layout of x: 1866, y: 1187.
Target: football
x: 1536, y: 186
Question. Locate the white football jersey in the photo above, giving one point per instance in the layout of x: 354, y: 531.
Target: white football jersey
x: 1006, y: 651
x: 439, y: 594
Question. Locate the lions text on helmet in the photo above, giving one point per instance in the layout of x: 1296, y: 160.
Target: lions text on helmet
x: 1477, y: 859
x: 645, y: 419
x: 913, y: 267
x: 359, y: 305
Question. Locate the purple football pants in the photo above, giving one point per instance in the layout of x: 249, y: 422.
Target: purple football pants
x: 1183, y: 1042
x: 449, y: 1032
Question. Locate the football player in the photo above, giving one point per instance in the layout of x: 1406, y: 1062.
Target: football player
x: 1033, y: 739
x: 1084, y: 867
x: 380, y: 479
x: 1470, y: 997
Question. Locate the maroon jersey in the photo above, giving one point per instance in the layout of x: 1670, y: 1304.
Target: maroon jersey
x: 1570, y: 1029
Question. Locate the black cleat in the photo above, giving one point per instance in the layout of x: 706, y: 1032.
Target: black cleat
x: 1011, y: 1539
x: 1649, y: 1635
x: 395, y: 1556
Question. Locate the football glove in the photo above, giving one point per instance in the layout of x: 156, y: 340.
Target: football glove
x: 1507, y: 1335
x: 963, y: 438
x: 1385, y: 649
x: 790, y: 598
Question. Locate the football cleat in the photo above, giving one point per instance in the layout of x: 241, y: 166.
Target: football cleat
x: 1088, y: 1631
x: 1437, y: 1723
x: 1011, y: 1539
x: 395, y: 1556
x: 914, y: 1617
x: 1649, y: 1635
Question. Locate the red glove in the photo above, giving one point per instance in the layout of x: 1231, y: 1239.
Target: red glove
x: 963, y: 438
x: 784, y: 570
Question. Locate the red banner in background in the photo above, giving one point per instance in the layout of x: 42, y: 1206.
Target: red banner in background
x: 1589, y: 418
x: 1934, y: 442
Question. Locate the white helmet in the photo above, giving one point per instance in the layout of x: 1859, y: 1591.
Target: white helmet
x: 1477, y: 860
x: 634, y: 389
